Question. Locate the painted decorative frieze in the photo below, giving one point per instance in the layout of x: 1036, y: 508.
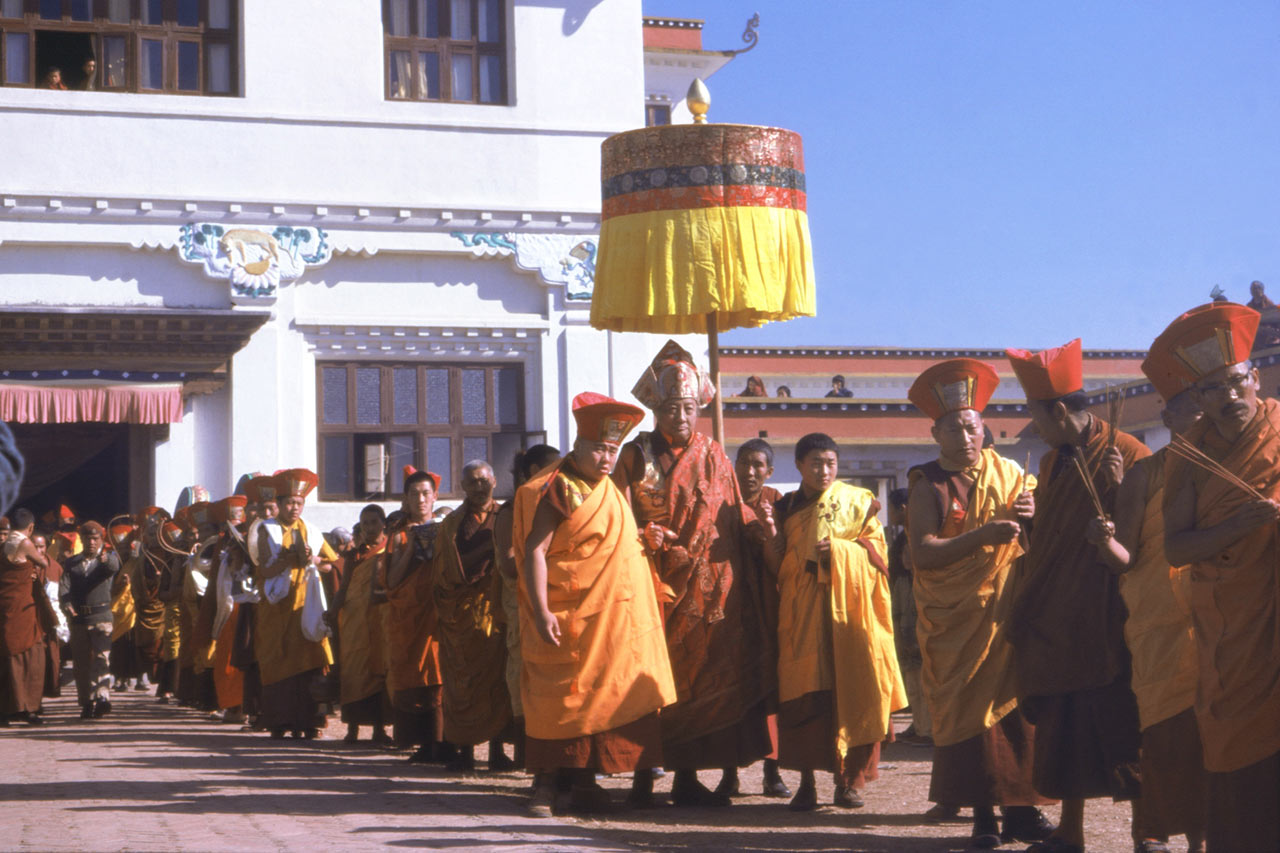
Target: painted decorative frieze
x: 563, y: 259
x: 254, y: 261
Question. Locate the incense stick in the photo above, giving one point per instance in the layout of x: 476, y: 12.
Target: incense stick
x: 1184, y: 449
x: 1082, y: 468
x: 1115, y: 406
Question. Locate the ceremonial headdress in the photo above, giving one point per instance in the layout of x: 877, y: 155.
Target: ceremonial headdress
x: 59, y: 517
x: 1163, y: 370
x: 199, y: 513
x: 146, y: 514
x: 119, y: 530
x: 1049, y: 374
x: 1208, y: 338
x: 189, y: 496
x: 409, y: 471
x: 949, y: 386
x: 604, y: 419
x: 295, y: 482
x: 673, y: 376
x: 220, y: 511
x: 261, y: 489
x: 242, y: 485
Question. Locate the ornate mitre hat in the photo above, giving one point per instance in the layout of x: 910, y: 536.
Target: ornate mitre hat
x: 673, y: 376
x: 198, y: 513
x: 1049, y: 374
x: 295, y: 481
x: 261, y: 489
x: 1207, y: 338
x: 949, y: 386
x: 221, y: 510
x: 409, y: 471
x: 604, y: 419
x: 1162, y: 369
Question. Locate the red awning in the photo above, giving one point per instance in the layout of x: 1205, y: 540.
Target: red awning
x: 104, y: 402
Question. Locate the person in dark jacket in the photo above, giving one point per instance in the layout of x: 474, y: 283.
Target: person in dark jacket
x: 85, y: 594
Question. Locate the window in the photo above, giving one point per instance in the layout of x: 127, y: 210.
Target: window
x: 163, y: 46
x: 375, y: 418
x: 445, y: 50
x: 657, y: 114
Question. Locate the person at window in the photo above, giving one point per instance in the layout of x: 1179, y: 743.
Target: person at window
x: 289, y: 662
x: 755, y: 388
x: 527, y: 464
x: 85, y: 594
x: 837, y: 387
x: 357, y: 612
x: 22, y: 641
x: 413, y: 665
x: 596, y: 670
x: 473, y: 650
x: 830, y: 558
x: 52, y: 79
x: 684, y: 493
x: 964, y: 515
x: 88, y: 75
x: 784, y: 391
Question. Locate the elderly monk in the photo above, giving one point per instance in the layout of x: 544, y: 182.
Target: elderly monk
x: 1223, y: 525
x: 965, y: 511
x: 22, y: 642
x: 413, y: 667
x: 596, y: 669
x: 1159, y: 631
x: 1067, y: 625
x: 85, y: 594
x: 527, y: 463
x: 838, y: 677
x: 683, y: 491
x: 472, y: 648
x: 286, y: 549
x: 357, y: 613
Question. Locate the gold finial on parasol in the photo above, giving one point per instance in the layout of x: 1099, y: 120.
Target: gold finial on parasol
x: 699, y: 100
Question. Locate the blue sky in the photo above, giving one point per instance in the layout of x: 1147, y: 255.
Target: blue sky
x: 989, y: 174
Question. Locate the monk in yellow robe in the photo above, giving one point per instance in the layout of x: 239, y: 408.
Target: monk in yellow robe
x: 472, y: 648
x: 357, y: 613
x: 413, y: 665
x: 965, y: 511
x: 125, y: 666
x: 217, y: 622
x: 834, y: 606
x: 1228, y: 536
x: 596, y: 670
x: 144, y: 581
x: 1159, y: 633
x: 289, y: 662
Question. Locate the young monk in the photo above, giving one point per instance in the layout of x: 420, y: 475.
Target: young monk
x: 595, y: 659
x: 834, y: 606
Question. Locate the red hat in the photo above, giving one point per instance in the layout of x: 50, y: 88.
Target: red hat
x: 119, y: 531
x: 1162, y: 368
x: 604, y: 419
x: 221, y: 510
x: 195, y: 515
x: 261, y: 489
x: 949, y: 386
x: 1208, y: 338
x: 58, y: 517
x: 142, y: 516
x: 1049, y: 374
x: 171, y: 532
x: 295, y: 482
x: 91, y: 527
x: 409, y: 471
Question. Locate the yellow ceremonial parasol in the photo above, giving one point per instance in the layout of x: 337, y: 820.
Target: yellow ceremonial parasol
x: 703, y: 228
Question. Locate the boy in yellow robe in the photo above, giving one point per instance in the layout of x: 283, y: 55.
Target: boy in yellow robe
x: 834, y: 606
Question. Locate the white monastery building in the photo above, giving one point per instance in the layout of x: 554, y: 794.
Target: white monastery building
x: 252, y: 236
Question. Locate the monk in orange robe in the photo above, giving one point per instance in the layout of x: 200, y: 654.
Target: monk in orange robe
x: 217, y: 622
x: 413, y: 668
x: 838, y: 677
x: 965, y: 515
x: 472, y: 647
x: 357, y: 612
x: 287, y: 548
x: 1227, y: 534
x: 596, y: 670
x: 684, y: 493
x: 1159, y: 632
x: 1067, y: 625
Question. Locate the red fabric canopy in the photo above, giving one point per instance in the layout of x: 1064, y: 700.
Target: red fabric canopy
x: 106, y: 402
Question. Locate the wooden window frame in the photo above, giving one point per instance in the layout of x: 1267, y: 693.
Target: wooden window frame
x: 455, y: 429
x: 445, y: 49
x: 169, y: 33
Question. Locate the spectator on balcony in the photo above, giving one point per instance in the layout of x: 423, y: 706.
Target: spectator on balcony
x: 784, y: 391
x: 755, y: 388
x: 52, y: 78
x: 837, y: 387
x: 88, y: 75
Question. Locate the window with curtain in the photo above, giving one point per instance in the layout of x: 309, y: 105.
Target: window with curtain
x: 177, y: 47
x: 446, y: 50
x: 375, y: 418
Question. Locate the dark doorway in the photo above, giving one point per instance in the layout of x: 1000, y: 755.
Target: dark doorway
x: 67, y: 51
x: 94, y: 468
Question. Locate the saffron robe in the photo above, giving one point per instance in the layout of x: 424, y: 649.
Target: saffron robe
x: 1235, y: 598
x: 282, y: 649
x: 414, y: 652
x: 362, y: 649
x: 838, y: 612
x: 611, y: 667
x: 967, y: 663
x: 22, y: 654
x: 472, y: 647
x: 712, y: 601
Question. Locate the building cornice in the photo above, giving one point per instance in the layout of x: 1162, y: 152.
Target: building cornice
x: 900, y: 352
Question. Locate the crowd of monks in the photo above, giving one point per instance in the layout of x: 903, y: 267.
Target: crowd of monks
x: 1105, y: 627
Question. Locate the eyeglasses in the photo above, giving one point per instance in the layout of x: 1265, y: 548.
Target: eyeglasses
x: 1237, y: 383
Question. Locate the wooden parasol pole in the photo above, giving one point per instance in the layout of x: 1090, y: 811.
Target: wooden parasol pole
x: 713, y: 351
